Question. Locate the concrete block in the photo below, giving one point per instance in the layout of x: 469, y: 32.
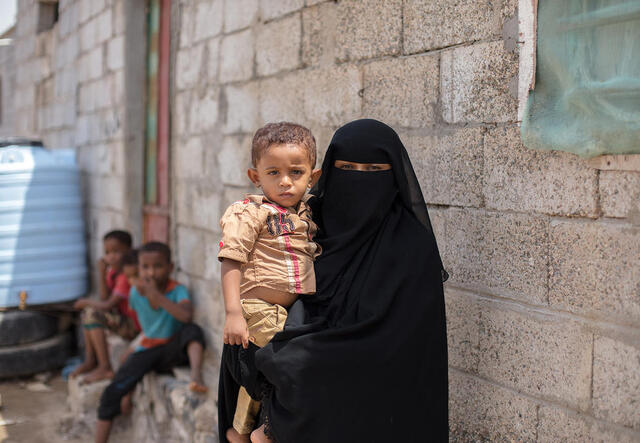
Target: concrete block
x: 204, y: 110
x: 82, y: 130
x: 237, y: 53
x: 213, y: 60
x: 475, y: 84
x: 115, y: 54
x: 319, y: 34
x: 234, y: 159
x: 209, y: 311
x: 332, y: 95
x: 270, y: 9
x: 402, y: 92
x: 189, y: 158
x: 95, y: 60
x: 209, y: 19
x: 449, y: 166
x: 191, y: 254
x: 239, y: 14
x: 616, y: 381
x: 104, y: 23
x: 242, y: 108
x: 278, y: 45
x: 594, y: 269
x: 368, y: 29
x: 620, y: 194
x: 119, y: 17
x: 189, y: 64
x: 481, y: 411
x: 463, y: 330
x: 86, y: 98
x: 206, y: 417
x: 200, y: 206
x: 102, y: 93
x: 505, y: 254
x: 68, y: 20
x: 556, y: 424
x: 97, y: 6
x: 536, y: 354
x: 81, y: 398
x: 282, y: 98
x: 88, y: 35
x: 187, y: 23
x: 521, y: 179
x: 84, y: 11
x: 437, y: 24
x: 180, y: 118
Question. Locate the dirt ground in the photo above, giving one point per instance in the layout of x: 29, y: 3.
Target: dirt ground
x: 31, y: 411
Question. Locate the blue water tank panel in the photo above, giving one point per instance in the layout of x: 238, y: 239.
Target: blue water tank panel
x: 42, y: 243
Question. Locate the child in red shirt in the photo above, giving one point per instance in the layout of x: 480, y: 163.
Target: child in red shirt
x: 111, y: 311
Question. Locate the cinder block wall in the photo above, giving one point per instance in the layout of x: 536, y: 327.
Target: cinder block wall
x: 543, y: 249
x: 543, y: 303
x: 70, y: 91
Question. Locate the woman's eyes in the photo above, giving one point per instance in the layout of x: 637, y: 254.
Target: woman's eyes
x: 345, y: 166
x: 373, y: 168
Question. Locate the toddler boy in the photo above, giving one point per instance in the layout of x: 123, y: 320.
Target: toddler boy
x: 168, y: 339
x: 266, y: 249
x: 111, y: 311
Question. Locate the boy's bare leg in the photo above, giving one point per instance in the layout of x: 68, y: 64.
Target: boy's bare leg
x: 194, y: 351
x: 126, y: 404
x: 103, y: 428
x: 258, y: 436
x: 234, y: 437
x: 103, y: 371
x: 89, y: 362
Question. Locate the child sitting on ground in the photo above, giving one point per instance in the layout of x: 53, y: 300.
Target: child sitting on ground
x: 111, y: 311
x: 169, y: 338
x: 266, y: 249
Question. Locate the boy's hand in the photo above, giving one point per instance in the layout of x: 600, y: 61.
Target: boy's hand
x: 236, y: 331
x: 149, y: 288
x: 102, y: 266
x: 80, y: 304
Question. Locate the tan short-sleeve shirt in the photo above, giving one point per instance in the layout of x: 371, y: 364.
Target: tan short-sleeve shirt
x: 274, y: 244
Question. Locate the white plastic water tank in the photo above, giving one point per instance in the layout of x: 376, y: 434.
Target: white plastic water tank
x: 42, y: 242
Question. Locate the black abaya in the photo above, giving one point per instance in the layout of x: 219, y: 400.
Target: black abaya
x: 365, y: 358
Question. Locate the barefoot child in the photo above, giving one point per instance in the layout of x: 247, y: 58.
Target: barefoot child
x: 169, y: 338
x: 266, y: 250
x: 111, y: 311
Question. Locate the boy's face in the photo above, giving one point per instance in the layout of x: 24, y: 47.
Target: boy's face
x: 284, y: 173
x: 114, y: 251
x: 154, y: 266
x: 131, y: 272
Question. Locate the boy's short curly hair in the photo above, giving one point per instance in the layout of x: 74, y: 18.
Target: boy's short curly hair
x: 156, y: 246
x: 279, y: 134
x: 122, y: 236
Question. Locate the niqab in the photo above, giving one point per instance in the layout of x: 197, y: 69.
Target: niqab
x: 365, y: 358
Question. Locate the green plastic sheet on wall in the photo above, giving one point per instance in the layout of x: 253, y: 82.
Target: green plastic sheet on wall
x: 587, y: 92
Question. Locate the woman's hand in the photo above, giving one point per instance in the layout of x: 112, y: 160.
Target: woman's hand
x: 236, y: 331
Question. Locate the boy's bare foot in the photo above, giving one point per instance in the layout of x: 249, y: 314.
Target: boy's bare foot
x: 126, y: 404
x: 234, y: 437
x: 198, y: 387
x: 96, y: 375
x: 86, y: 366
x: 258, y: 436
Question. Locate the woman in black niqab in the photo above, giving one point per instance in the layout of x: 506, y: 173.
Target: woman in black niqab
x: 365, y: 358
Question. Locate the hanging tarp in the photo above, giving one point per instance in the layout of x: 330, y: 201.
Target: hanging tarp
x: 587, y: 90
